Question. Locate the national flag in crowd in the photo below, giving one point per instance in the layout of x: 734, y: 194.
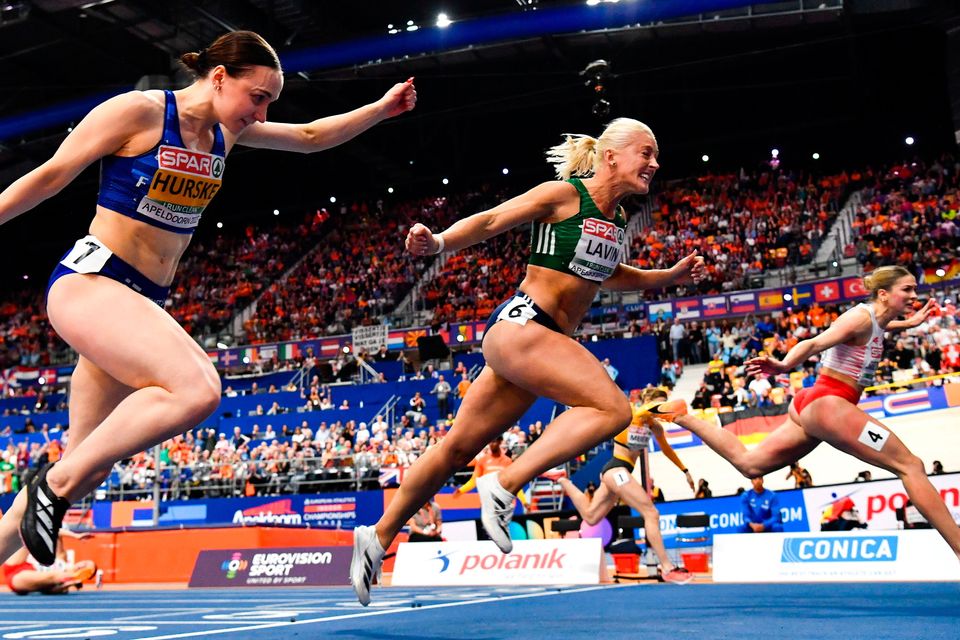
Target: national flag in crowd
x: 827, y: 291
x: 688, y: 308
x: 951, y: 355
x: 853, y: 288
x: 659, y: 311
x: 249, y: 354
x: 395, y: 340
x: 267, y: 351
x: 329, y: 348
x: 410, y: 337
x: 715, y: 306
x: 743, y: 302
x: 801, y: 295
x: 770, y: 299
x: 6, y: 380
x: 943, y: 272
x: 289, y: 351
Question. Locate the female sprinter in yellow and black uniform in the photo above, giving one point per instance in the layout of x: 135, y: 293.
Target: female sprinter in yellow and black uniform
x: 618, y: 483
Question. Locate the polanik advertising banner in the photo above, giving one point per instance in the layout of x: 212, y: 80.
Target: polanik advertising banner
x: 563, y: 561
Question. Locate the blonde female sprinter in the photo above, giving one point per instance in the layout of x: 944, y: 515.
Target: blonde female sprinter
x: 576, y: 247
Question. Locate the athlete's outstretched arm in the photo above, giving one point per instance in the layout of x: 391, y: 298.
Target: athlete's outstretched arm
x: 539, y: 202
x: 668, y: 451
x: 916, y: 319
x: 324, y: 133
x: 845, y: 328
x: 627, y: 278
x: 105, y: 130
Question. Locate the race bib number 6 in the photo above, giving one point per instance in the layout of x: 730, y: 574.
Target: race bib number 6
x: 518, y: 311
x: 87, y: 256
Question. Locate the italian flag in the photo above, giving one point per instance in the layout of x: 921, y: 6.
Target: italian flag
x: 289, y: 351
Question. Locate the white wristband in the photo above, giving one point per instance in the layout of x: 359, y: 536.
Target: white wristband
x: 440, y: 243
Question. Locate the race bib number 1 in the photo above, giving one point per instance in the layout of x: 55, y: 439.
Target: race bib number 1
x: 87, y: 256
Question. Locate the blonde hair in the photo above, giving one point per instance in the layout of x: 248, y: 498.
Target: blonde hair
x: 883, y: 278
x: 580, y: 155
x: 653, y: 393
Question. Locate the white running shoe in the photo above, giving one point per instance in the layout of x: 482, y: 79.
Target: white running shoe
x: 496, y: 510
x: 365, y: 565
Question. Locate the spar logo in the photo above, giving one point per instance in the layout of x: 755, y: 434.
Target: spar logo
x: 279, y: 512
x: 840, y: 549
x: 235, y: 564
x: 603, y: 229
x: 195, y: 163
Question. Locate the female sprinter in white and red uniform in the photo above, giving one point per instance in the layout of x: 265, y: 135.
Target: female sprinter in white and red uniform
x: 140, y: 378
x: 827, y: 411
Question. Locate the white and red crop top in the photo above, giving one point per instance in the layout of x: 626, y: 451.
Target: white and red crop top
x: 858, y: 362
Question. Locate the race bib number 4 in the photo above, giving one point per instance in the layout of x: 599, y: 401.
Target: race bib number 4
x: 87, y: 256
x: 874, y: 436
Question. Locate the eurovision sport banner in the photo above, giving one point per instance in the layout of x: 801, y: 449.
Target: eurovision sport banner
x: 286, y: 567
x: 713, y: 306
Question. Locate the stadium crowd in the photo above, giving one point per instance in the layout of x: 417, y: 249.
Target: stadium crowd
x: 744, y: 224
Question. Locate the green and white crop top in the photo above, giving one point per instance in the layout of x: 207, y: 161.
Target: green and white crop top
x: 586, y: 244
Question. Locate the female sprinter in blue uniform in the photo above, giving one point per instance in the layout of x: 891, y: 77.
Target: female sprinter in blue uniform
x: 140, y: 378
x: 577, y: 246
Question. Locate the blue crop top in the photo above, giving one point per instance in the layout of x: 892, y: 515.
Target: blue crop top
x: 168, y: 186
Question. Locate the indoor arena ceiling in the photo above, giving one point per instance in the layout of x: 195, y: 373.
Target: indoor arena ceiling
x: 728, y: 83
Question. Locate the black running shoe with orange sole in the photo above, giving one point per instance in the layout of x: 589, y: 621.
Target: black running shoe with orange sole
x: 40, y: 526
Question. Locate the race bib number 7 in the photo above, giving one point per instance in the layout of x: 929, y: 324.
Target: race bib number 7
x: 87, y: 256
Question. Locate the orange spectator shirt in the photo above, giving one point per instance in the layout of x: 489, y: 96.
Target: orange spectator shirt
x: 488, y: 463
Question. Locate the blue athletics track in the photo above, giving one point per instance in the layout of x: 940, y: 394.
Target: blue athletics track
x: 648, y: 611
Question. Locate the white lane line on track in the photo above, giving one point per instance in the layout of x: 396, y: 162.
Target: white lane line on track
x: 107, y: 623
x: 368, y: 614
x: 180, y: 612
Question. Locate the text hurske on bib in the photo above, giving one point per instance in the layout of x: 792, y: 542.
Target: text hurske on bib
x: 183, y: 185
